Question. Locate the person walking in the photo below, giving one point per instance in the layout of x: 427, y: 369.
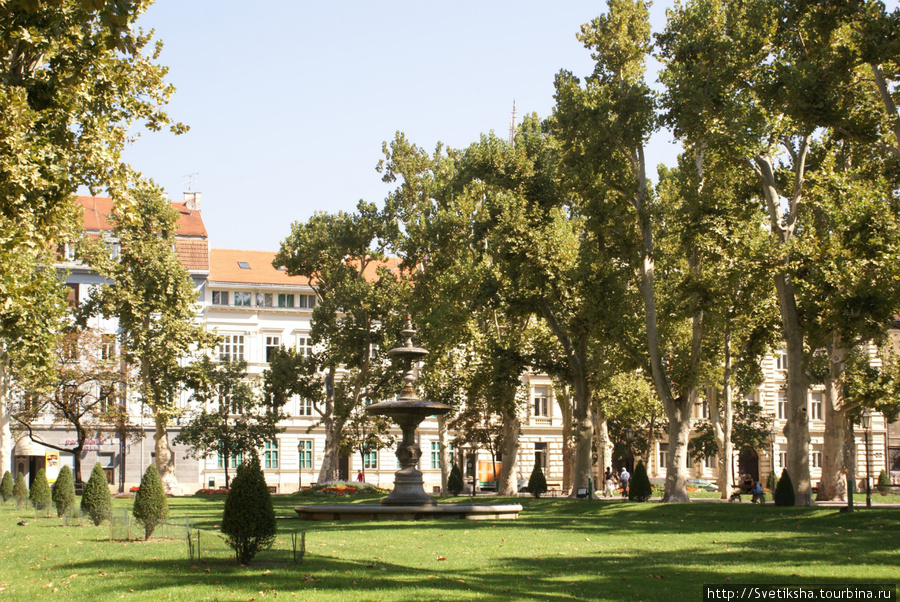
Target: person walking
x: 624, y: 477
x: 609, y: 482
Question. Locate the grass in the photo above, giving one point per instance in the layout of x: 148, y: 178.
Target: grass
x: 558, y: 549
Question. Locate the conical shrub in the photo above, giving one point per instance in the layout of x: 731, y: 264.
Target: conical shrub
x: 6, y: 487
x: 249, y: 518
x: 884, y: 482
x: 639, y: 488
x: 40, y: 494
x: 455, y: 482
x: 64, y: 491
x: 537, y: 484
x: 784, y: 491
x: 96, y: 500
x: 151, y: 508
x: 20, y: 489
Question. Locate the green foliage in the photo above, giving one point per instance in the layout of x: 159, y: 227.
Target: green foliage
x: 96, y: 500
x: 455, y: 481
x: 772, y: 482
x: 249, y: 517
x: 40, y: 490
x: 537, y: 483
x: 20, y: 489
x: 750, y: 430
x: 64, y: 491
x: 238, y: 425
x: 151, y: 508
x: 639, y: 487
x: 884, y: 482
x: 784, y: 490
x: 6, y: 486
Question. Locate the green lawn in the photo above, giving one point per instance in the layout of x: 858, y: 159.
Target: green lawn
x: 558, y: 549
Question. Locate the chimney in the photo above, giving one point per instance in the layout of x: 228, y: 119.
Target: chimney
x: 192, y: 200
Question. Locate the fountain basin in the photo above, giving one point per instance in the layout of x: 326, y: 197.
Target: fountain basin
x: 375, y: 512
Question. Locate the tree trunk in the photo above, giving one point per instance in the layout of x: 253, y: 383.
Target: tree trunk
x: 604, y: 447
x: 6, y: 440
x: 165, y: 459
x: 679, y: 435
x: 445, y: 453
x: 330, y: 452
x: 833, y: 485
x: 564, y: 402
x: 510, y: 452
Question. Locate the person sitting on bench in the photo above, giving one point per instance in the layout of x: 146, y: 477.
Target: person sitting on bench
x: 758, y: 493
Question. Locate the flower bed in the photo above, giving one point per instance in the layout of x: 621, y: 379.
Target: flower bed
x: 342, y: 488
x: 211, y: 491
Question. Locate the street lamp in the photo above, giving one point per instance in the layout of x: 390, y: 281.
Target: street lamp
x: 865, y: 420
x: 773, y: 437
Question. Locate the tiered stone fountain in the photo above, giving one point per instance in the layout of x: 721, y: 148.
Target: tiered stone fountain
x: 408, y: 500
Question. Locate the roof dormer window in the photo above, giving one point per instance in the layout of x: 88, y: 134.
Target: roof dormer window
x: 244, y: 265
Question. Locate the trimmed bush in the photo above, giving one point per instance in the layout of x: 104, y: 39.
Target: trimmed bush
x: 537, y: 483
x: 64, y: 491
x: 455, y: 482
x: 6, y: 487
x: 639, y: 488
x: 96, y: 500
x: 20, y: 489
x: 249, y: 518
x: 884, y: 482
x: 772, y: 482
x: 40, y: 490
x: 151, y: 508
x: 784, y: 491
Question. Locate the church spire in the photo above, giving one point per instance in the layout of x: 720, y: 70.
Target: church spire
x: 512, y: 126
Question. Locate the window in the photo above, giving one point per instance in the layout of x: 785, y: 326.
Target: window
x: 663, y: 454
x: 782, y: 405
x: 304, y: 345
x: 72, y: 297
x: 709, y: 462
x: 815, y: 406
x: 306, y: 301
x: 108, y: 347
x: 285, y: 300
x: 68, y: 252
x: 242, y: 299
x: 435, y: 454
x: 264, y: 300
x: 270, y: 455
x: 370, y: 459
x: 231, y: 348
x: 305, y: 448
x: 782, y: 459
x: 815, y: 459
x: 541, y: 403
x: 540, y: 454
x: 70, y: 348
x: 304, y: 407
x: 220, y: 297
x: 243, y: 265
x: 749, y: 400
x: 781, y: 362
x: 273, y: 342
x: 107, y: 399
x: 234, y: 460
x: 703, y: 410
x: 108, y: 463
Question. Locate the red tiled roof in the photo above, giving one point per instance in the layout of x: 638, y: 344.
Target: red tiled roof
x: 97, y: 210
x: 224, y: 267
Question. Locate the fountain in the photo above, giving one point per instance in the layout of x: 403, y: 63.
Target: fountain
x: 408, y: 500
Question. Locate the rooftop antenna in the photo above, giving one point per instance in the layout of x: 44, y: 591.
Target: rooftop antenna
x: 512, y: 126
x: 191, y: 181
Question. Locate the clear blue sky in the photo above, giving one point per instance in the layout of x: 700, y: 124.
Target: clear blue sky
x: 289, y: 102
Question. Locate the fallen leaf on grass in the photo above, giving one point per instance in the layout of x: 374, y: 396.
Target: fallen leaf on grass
x: 442, y: 558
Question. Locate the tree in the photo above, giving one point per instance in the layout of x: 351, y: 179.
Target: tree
x: 63, y: 494
x: 364, y: 434
x: 6, y: 487
x: 82, y: 393
x: 40, y: 494
x: 248, y: 520
x: 20, y: 489
x: 96, y: 500
x: 231, y: 421
x: 784, y: 490
x: 455, y: 483
x: 152, y: 296
x: 639, y: 487
x: 151, y: 508
x: 537, y: 483
x: 355, y: 320
x: 75, y: 78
